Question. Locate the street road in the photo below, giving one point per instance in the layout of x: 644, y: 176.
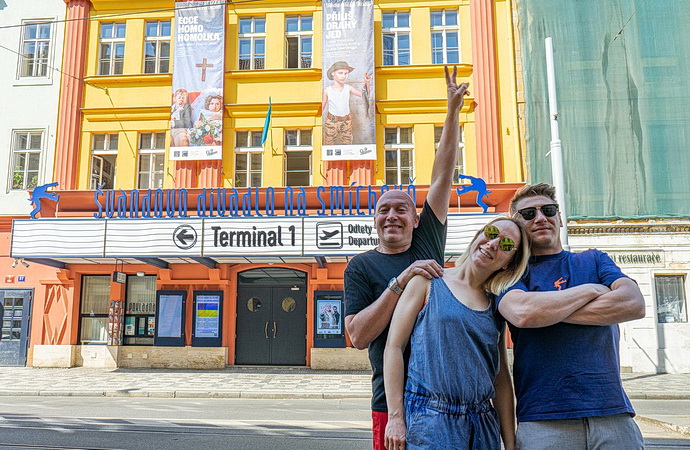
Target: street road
x: 150, y: 423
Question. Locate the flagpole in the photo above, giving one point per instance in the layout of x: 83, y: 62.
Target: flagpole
x: 556, y: 147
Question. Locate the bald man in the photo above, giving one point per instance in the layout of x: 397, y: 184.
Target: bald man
x: 409, y: 244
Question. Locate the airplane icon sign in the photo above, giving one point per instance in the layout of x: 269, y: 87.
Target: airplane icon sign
x: 329, y: 235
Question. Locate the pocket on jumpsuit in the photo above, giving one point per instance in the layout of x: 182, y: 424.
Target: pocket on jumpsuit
x: 421, y: 428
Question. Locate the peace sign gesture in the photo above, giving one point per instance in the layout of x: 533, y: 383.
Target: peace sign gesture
x: 456, y: 94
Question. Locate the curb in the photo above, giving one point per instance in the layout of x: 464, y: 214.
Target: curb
x: 680, y: 429
x: 272, y: 395
x: 659, y: 395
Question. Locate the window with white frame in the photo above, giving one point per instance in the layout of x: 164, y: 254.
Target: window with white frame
x: 103, y: 159
x: 26, y: 159
x: 298, y: 42
x: 445, y: 37
x: 252, y: 43
x: 157, y: 47
x: 298, y: 151
x: 35, y: 49
x: 151, y: 160
x: 460, y: 163
x: 396, y: 38
x: 399, y: 150
x: 95, y: 299
x: 248, y: 158
x: 112, y: 48
x: 671, y: 306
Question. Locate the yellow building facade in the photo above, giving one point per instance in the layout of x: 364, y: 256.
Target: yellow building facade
x: 410, y: 96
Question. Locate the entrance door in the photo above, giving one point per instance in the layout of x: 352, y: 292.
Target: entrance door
x: 271, y: 318
x: 15, y: 309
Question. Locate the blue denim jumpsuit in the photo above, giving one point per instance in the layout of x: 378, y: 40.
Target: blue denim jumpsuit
x: 453, y: 363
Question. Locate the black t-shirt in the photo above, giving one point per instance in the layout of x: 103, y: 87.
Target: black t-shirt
x: 367, y: 276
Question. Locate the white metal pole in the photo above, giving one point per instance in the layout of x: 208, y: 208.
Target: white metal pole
x: 556, y: 149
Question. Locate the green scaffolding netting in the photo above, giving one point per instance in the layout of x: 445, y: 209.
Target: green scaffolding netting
x: 623, y: 86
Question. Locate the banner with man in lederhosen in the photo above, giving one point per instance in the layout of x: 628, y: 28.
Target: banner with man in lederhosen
x: 349, y: 126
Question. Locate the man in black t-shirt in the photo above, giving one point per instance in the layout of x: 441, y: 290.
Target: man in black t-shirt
x: 409, y: 245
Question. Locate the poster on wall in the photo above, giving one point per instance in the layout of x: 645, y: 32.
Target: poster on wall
x: 349, y: 122
x: 196, y: 112
x: 170, y: 316
x: 329, y: 313
x: 207, y: 316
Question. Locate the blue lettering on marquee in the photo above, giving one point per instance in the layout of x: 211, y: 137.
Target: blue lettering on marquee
x: 222, y: 202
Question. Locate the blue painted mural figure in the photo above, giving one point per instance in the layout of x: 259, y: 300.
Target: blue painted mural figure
x: 477, y: 185
x: 42, y: 192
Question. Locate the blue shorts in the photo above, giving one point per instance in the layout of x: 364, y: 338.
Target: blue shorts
x: 434, y: 423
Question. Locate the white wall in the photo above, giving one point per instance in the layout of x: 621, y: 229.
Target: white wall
x: 28, y: 103
x: 646, y: 345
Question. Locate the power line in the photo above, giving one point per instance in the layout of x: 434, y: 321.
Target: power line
x: 133, y: 13
x: 55, y: 69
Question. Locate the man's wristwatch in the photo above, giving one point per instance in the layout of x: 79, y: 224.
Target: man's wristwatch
x: 394, y: 286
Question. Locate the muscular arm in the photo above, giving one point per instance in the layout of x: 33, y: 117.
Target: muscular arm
x: 446, y: 156
x: 369, y: 323
x: 541, y: 309
x: 504, y: 402
x: 623, y: 303
x: 410, y: 304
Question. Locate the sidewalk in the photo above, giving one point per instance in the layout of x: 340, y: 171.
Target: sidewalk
x: 265, y: 382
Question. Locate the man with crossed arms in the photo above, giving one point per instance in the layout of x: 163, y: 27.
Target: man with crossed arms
x: 563, y: 317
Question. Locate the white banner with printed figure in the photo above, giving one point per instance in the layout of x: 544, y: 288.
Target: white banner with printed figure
x: 349, y: 113
x: 196, y: 113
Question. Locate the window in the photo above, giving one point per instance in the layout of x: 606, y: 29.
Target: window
x: 95, y: 296
x: 248, y: 158
x: 670, y: 298
x: 396, y: 39
x: 103, y: 158
x: 26, y: 159
x: 445, y: 43
x: 151, y: 160
x: 398, y: 146
x: 35, y: 50
x: 460, y: 164
x: 252, y: 43
x: 112, y: 48
x: 12, y: 310
x: 298, y: 150
x: 157, y: 47
x: 140, y: 310
x: 298, y: 39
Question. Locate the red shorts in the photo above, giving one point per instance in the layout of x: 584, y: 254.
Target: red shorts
x: 379, y: 422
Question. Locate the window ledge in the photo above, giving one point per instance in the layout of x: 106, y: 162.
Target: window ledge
x: 33, y: 81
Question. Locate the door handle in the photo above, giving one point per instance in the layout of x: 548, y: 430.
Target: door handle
x: 266, y: 330
x: 275, y: 328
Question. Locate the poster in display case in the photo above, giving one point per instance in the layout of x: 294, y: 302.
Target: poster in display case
x: 170, y: 308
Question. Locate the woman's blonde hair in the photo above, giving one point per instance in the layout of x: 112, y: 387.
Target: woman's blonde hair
x: 501, y: 280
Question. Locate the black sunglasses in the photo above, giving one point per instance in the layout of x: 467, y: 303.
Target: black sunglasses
x: 531, y: 212
x: 506, y: 244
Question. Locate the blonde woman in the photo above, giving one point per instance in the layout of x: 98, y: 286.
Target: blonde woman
x: 458, y: 393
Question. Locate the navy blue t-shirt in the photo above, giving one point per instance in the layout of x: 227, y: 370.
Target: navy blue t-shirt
x: 566, y: 371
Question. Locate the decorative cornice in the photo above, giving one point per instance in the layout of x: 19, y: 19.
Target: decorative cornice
x: 288, y: 109
x: 628, y: 228
x: 126, y: 113
x: 266, y: 75
x: 414, y: 106
x: 106, y: 81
